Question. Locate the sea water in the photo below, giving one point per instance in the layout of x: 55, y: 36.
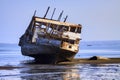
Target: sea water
x: 10, y: 56
x: 110, y: 49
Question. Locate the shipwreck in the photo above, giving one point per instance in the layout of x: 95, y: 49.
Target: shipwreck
x: 49, y: 40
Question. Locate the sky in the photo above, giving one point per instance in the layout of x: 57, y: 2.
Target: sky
x: 100, y: 19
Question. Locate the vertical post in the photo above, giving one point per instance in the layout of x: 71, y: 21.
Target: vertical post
x: 46, y: 12
x: 60, y: 16
x: 34, y: 13
x: 59, y: 19
x: 53, y: 13
x: 65, y: 18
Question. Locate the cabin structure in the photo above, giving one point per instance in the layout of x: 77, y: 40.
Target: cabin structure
x: 62, y: 36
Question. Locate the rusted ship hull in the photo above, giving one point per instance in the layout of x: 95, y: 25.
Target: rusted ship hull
x: 46, y: 53
x: 50, y: 41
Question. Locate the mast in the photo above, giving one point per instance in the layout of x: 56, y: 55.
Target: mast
x: 46, y: 12
x: 65, y: 18
x: 53, y: 13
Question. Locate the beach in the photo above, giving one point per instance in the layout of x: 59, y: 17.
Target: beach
x: 14, y: 66
x: 79, y: 71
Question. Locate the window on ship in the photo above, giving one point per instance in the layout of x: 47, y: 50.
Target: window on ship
x: 72, y: 29
x: 66, y: 28
x: 78, y: 30
x: 70, y: 41
x: 63, y: 28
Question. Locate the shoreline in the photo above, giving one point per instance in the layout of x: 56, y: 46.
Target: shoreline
x: 88, y: 61
x: 75, y: 61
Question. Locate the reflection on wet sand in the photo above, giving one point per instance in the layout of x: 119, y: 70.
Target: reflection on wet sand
x: 61, y: 72
x: 73, y: 75
x: 50, y: 72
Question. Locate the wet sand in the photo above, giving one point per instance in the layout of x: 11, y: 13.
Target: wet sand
x: 8, y: 67
x: 87, y: 61
x: 78, y: 69
x: 75, y: 61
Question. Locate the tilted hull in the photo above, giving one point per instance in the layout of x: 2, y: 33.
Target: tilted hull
x: 50, y: 41
x: 47, y: 53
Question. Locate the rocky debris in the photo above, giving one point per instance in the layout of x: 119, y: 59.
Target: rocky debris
x: 98, y: 58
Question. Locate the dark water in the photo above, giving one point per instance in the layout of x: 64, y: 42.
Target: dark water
x: 10, y: 56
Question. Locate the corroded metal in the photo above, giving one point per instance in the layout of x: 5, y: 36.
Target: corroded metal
x: 50, y: 41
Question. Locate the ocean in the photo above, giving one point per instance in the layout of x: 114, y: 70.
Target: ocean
x: 15, y: 66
